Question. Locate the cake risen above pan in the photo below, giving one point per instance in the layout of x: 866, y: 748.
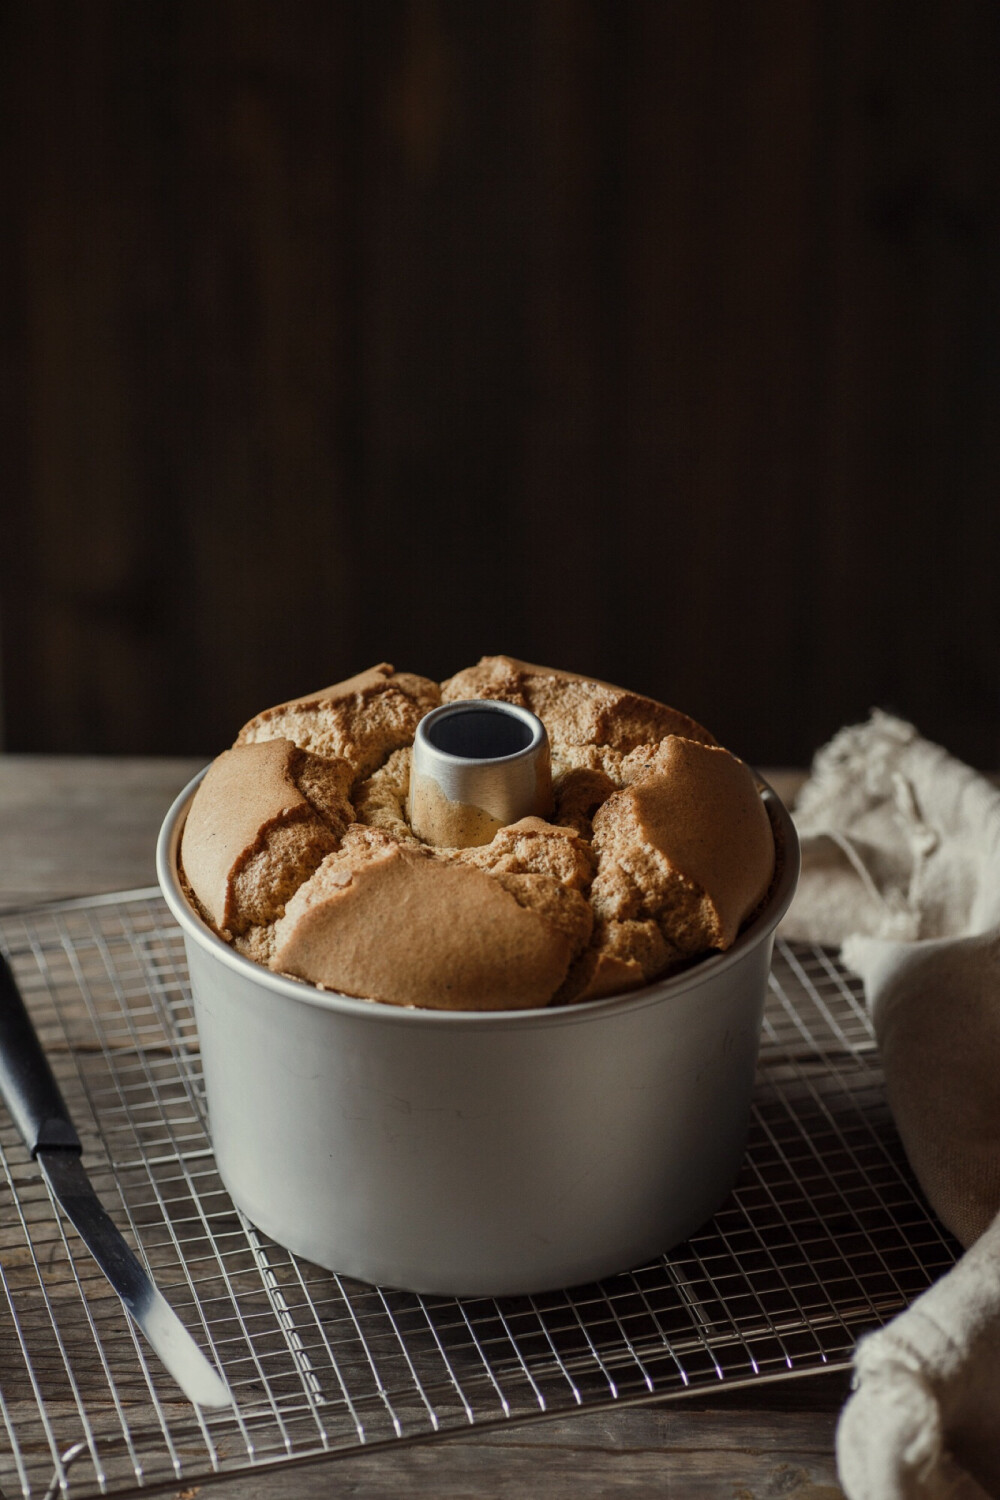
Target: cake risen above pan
x: 655, y: 848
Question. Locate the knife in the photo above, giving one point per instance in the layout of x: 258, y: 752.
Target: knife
x: 32, y: 1096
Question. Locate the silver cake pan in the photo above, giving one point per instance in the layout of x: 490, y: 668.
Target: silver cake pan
x: 478, y: 1153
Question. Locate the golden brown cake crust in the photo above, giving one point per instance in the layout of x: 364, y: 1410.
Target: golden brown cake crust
x: 580, y: 714
x: 667, y: 847
x: 361, y: 720
x: 298, y: 847
x: 391, y: 922
x: 261, y: 821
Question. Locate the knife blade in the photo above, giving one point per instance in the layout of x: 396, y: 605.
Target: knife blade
x: 36, y: 1105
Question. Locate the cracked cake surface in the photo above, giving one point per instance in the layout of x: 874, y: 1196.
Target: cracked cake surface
x: 298, y: 849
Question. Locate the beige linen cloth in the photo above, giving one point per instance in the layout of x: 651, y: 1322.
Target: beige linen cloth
x: 901, y: 865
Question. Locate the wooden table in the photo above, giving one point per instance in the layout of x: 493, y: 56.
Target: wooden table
x: 75, y: 826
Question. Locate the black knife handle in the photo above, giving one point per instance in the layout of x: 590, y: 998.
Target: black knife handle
x: 27, y: 1086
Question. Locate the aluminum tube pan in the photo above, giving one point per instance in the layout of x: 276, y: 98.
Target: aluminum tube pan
x: 478, y: 766
x: 478, y: 1152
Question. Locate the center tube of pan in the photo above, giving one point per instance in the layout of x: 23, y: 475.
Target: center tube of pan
x: 477, y: 766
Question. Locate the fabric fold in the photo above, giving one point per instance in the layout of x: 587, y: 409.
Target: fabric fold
x: 901, y: 868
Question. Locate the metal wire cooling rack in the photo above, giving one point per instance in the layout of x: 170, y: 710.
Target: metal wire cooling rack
x: 824, y: 1235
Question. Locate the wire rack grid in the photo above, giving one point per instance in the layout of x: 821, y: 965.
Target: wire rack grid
x: 824, y: 1235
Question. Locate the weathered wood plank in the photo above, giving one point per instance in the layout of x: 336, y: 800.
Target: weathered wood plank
x: 71, y: 827
x: 645, y: 339
x: 642, y: 1453
x: 722, y: 1450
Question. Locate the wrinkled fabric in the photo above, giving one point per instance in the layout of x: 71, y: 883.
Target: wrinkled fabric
x: 901, y: 869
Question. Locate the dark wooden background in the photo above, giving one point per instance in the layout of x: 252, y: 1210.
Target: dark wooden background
x: 653, y: 339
